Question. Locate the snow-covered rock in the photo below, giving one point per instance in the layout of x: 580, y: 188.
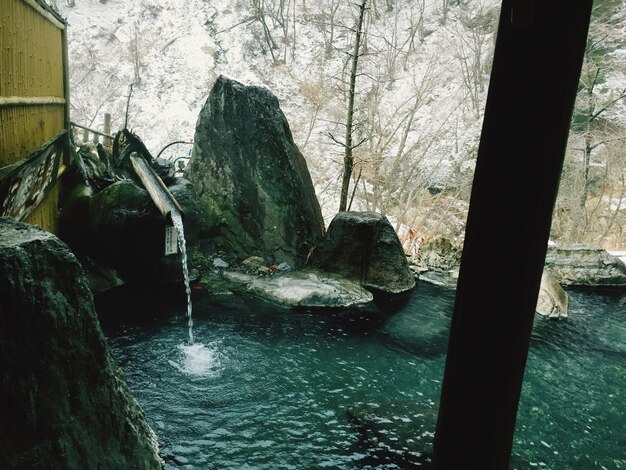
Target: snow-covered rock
x: 552, y: 301
x: 580, y: 265
x: 306, y: 289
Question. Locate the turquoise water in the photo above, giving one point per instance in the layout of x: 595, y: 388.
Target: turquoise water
x: 265, y: 388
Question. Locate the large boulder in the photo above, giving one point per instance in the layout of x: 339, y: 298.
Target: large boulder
x: 254, y: 194
x: 398, y: 434
x: 363, y: 246
x: 438, y: 261
x: 579, y: 265
x: 63, y: 401
x: 182, y: 190
x: 552, y: 301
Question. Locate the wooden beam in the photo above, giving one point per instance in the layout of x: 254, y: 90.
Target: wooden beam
x: 107, y: 129
x: 536, y: 67
x: 159, y: 193
x: 6, y: 101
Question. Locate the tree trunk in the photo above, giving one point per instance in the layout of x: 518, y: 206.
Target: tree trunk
x: 348, y: 159
x: 581, y: 221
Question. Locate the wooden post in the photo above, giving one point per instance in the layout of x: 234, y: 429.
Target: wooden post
x: 107, y: 130
x: 536, y: 67
x: 66, y: 94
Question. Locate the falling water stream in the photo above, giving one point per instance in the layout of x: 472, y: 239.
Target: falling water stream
x: 182, y: 246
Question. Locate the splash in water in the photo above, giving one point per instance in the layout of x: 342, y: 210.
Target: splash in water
x: 199, y: 360
x: 178, y: 225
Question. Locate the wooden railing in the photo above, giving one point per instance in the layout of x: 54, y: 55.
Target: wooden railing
x: 88, y: 134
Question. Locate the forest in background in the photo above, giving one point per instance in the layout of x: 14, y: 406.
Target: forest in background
x: 419, y: 90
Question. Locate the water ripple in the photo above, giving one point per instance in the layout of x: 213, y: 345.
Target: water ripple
x: 263, y: 388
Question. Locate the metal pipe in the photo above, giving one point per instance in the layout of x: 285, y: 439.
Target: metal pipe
x: 173, y: 143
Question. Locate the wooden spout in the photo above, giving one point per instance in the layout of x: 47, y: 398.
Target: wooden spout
x: 159, y: 193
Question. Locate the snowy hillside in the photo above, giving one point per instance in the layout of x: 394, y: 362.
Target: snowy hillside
x: 173, y: 50
x: 423, y: 77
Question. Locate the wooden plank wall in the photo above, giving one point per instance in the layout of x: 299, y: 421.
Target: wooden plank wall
x: 31, y: 66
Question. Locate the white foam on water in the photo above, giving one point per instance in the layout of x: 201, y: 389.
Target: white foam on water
x: 199, y: 359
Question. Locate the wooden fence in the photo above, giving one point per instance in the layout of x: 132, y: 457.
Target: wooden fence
x: 34, y: 95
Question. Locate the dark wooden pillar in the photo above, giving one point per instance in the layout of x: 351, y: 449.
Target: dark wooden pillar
x: 537, y: 62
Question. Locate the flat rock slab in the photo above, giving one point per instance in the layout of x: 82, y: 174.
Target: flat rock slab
x: 579, y: 265
x: 308, y: 289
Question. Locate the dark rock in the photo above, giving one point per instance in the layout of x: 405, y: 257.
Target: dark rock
x: 100, y: 277
x: 74, y: 217
x: 182, y: 190
x: 164, y: 169
x: 363, y: 247
x: 117, y: 204
x: 580, y: 265
x: 63, y: 401
x: 127, y: 232
x: 422, y: 327
x: 254, y: 193
x: 399, y: 433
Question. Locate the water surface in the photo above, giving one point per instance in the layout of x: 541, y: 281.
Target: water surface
x: 265, y: 388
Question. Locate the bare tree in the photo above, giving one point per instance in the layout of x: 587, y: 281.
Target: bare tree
x: 135, y: 55
x: 593, y: 129
x: 444, y: 11
x: 259, y: 15
x: 348, y: 159
x: 328, y: 21
x: 472, y: 35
